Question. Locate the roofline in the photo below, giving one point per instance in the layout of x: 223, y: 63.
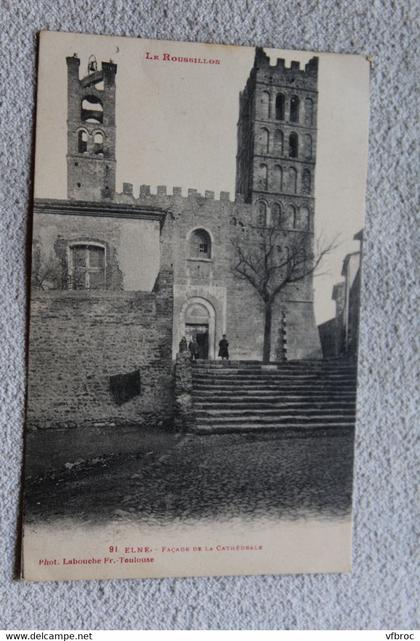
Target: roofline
x: 98, y: 209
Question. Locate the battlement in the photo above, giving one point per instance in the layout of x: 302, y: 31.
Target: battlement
x: 262, y: 61
x: 280, y: 74
x: 162, y: 191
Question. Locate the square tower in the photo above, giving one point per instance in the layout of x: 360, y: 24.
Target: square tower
x: 277, y: 128
x: 91, y: 162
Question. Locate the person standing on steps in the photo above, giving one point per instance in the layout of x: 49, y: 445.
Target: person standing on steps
x: 194, y: 349
x: 183, y: 346
x: 224, y: 348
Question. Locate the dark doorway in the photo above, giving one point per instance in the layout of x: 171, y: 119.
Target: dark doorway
x: 201, y: 334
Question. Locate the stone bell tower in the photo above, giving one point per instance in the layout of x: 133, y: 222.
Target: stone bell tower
x: 91, y: 162
x: 277, y: 136
x: 275, y: 173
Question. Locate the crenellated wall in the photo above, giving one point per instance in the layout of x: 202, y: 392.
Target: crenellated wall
x: 145, y: 191
x: 211, y: 282
x: 207, y: 280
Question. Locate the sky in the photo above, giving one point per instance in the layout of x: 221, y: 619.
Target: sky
x: 176, y: 126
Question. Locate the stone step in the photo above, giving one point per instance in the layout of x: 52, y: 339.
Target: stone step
x: 272, y: 378
x: 275, y: 417
x: 259, y: 385
x: 233, y: 364
x: 259, y: 427
x: 275, y: 411
x: 274, y: 385
x: 229, y: 374
x: 232, y: 373
x: 241, y: 365
x: 273, y: 420
x: 270, y: 396
x: 267, y: 378
x: 201, y: 410
x: 275, y: 402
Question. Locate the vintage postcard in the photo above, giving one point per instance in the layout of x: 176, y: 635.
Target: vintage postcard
x: 196, y: 258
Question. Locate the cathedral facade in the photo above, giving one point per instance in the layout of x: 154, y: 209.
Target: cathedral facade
x: 101, y: 245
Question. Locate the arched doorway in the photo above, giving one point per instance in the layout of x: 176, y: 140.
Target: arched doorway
x: 199, y: 323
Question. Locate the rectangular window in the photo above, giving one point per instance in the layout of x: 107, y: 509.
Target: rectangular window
x: 87, y: 268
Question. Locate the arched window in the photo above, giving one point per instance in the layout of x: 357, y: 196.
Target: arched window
x: 200, y: 244
x: 309, y: 112
x: 278, y: 142
x: 308, y: 146
x: 276, y: 215
x: 293, y: 145
x: 262, y: 214
x: 306, y: 181
x: 87, y: 266
x: 280, y: 106
x: 92, y: 109
x: 264, y: 140
x: 265, y: 105
x: 303, y: 222
x: 278, y: 178
x: 291, y: 217
x: 263, y: 177
x: 82, y: 139
x: 292, y: 180
x: 98, y: 143
x: 294, y: 109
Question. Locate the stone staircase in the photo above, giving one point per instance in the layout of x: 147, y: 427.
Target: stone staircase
x: 291, y: 396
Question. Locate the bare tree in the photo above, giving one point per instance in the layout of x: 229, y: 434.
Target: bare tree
x: 271, y: 259
x: 46, y: 272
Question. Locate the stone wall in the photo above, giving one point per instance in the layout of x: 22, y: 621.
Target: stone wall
x: 237, y: 308
x: 79, y: 339
x: 328, y: 337
x: 184, y: 407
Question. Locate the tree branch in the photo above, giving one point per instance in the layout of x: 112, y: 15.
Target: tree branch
x: 268, y: 271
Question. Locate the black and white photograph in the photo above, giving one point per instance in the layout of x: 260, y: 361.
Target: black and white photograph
x: 197, y: 244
